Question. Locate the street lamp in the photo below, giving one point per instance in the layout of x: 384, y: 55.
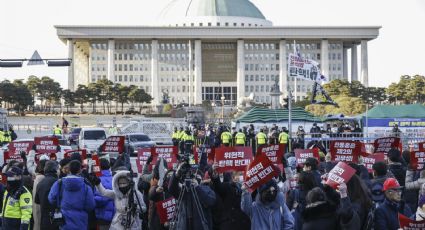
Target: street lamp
x: 222, y: 102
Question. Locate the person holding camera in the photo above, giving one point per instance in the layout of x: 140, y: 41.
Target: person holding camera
x: 129, y: 204
x: 188, y: 215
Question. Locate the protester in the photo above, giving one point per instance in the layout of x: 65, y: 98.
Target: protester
x: 379, y: 171
x: 311, y: 165
x: 105, y: 208
x: 39, y: 176
x: 396, y: 167
x: 73, y: 198
x: 158, y: 193
x: 420, y: 212
x: 360, y: 198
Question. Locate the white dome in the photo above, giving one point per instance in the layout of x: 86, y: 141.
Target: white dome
x: 212, y: 13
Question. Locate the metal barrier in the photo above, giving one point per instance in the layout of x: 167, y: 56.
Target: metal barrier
x: 31, y: 129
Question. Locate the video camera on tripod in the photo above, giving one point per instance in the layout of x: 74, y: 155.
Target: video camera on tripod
x: 132, y: 204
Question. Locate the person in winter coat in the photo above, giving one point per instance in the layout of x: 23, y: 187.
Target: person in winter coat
x: 396, y: 167
x: 158, y: 193
x: 311, y: 165
x: 379, y: 172
x: 420, y: 212
x: 188, y: 217
x: 127, y: 200
x: 269, y: 210
x: 230, y: 192
x: 359, y: 196
x: 386, y: 214
x: 105, y: 208
x: 75, y: 198
x: 41, y: 195
x: 328, y: 210
x: 39, y: 176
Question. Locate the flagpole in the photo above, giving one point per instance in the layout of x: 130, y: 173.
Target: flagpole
x: 296, y: 79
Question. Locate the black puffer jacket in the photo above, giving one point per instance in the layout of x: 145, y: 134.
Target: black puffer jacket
x: 399, y: 172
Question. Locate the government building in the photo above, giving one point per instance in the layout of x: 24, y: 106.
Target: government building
x: 206, y: 49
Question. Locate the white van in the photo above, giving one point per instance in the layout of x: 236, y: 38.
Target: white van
x: 91, y: 138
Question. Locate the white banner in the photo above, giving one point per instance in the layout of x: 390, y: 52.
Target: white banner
x: 303, y: 68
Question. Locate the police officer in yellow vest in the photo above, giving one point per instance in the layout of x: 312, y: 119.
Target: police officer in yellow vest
x: 261, y: 139
x: 284, y: 139
x: 188, y: 140
x: 175, y: 137
x: 240, y: 138
x: 17, y: 202
x: 7, y: 136
x: 57, y: 131
x: 1, y: 136
x: 226, y: 137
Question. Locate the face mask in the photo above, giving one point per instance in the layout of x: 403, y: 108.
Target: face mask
x: 13, y: 185
x: 125, y: 189
x: 269, y: 196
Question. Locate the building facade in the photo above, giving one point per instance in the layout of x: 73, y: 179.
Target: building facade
x: 212, y: 48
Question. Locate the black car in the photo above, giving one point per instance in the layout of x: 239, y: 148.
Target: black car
x: 134, y: 141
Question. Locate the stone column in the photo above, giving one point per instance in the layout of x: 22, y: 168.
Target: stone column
x: 154, y: 74
x: 240, y: 79
x: 283, y: 71
x: 354, y: 76
x: 198, y: 73
x: 324, y: 57
x: 364, y: 64
x: 344, y: 63
x: 71, y: 84
x: 110, y: 66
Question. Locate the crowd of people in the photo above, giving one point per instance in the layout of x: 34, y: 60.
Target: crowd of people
x: 47, y: 194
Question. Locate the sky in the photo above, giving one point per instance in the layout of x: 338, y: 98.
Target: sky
x: 27, y: 25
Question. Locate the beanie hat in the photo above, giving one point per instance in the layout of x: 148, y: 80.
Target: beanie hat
x: 76, y: 156
x: 50, y: 167
x: 269, y: 184
x: 64, y: 162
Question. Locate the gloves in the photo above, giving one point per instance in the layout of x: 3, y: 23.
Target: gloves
x: 150, y: 159
x: 94, y: 179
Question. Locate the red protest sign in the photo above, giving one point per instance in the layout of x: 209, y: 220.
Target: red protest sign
x: 347, y: 151
x: 168, y: 153
x: 15, y: 147
x: 95, y: 161
x: 208, y: 150
x: 113, y: 144
x: 341, y: 173
x: 46, y: 144
x: 166, y: 209
x: 82, y: 152
x: 302, y: 154
x: 232, y: 158
x: 421, y: 146
x: 273, y: 152
x: 259, y: 171
x: 406, y: 223
x: 417, y: 160
x: 371, y: 159
x: 384, y: 145
x: 7, y: 157
x: 142, y: 156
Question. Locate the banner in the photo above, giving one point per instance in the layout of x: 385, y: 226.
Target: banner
x: 417, y: 160
x: 82, y: 152
x: 347, y: 151
x: 259, y: 171
x: 166, y: 209
x: 232, y: 158
x: 421, y: 146
x: 371, y: 159
x: 113, y: 144
x: 302, y: 154
x: 341, y: 173
x: 7, y: 157
x: 15, y: 147
x: 408, y: 224
x: 303, y: 68
x: 142, y: 156
x: 208, y: 150
x: 383, y: 145
x: 168, y: 153
x: 95, y: 164
x: 274, y: 152
x: 46, y: 144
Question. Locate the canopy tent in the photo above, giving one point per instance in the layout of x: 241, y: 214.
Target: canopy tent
x: 397, y: 111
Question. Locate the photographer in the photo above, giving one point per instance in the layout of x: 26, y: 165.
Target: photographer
x: 129, y: 203
x: 188, y: 216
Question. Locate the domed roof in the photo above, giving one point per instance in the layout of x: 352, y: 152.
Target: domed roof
x: 213, y: 13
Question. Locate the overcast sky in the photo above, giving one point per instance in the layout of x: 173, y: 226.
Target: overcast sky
x: 27, y: 25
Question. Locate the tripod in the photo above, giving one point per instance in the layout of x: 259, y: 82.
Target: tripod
x: 127, y: 223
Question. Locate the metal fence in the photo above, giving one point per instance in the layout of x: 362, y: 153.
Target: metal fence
x: 30, y: 129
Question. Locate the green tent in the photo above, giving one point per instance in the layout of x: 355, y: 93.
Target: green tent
x: 263, y: 115
x: 397, y: 111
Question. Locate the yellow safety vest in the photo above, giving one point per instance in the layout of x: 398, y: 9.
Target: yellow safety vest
x: 57, y: 131
x: 226, y: 137
x: 1, y: 136
x: 261, y: 138
x: 9, y: 136
x: 283, y: 138
x: 188, y: 137
x: 20, y: 209
x: 240, y: 138
x: 176, y: 135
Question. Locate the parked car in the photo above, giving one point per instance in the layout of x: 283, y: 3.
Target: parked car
x: 73, y: 136
x: 91, y: 138
x: 134, y: 141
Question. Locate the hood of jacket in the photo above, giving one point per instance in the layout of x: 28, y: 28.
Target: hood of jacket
x: 115, y: 179
x: 272, y: 205
x: 317, y: 210
x: 73, y: 183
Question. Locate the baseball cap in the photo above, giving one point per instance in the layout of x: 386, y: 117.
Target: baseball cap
x: 391, y: 183
x: 14, y: 173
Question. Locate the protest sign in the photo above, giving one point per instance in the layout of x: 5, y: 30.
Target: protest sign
x: 371, y: 159
x: 302, y: 154
x: 208, y: 150
x: 46, y: 144
x: 259, y: 171
x: 95, y: 164
x: 408, y: 224
x: 417, y: 160
x: 113, y: 144
x: 166, y: 209
x: 273, y: 152
x: 421, y: 146
x: 142, y: 156
x: 341, y: 173
x: 230, y: 159
x: 385, y: 144
x: 7, y: 157
x: 347, y: 151
x: 15, y: 147
x: 168, y: 153
x: 303, y: 68
x: 82, y: 152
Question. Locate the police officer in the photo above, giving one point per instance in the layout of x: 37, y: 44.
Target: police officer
x: 261, y: 138
x: 1, y: 136
x: 284, y: 139
x: 188, y: 141
x: 175, y: 137
x: 7, y: 137
x: 57, y: 131
x: 17, y: 202
x: 240, y: 138
x: 226, y: 137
